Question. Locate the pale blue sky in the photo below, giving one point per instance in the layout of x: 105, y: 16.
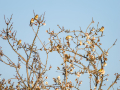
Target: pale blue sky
x: 71, y: 14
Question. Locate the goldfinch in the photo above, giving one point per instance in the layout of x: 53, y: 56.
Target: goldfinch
x: 102, y: 29
x: 36, y: 17
x: 31, y: 21
x: 101, y: 70
x: 19, y: 42
x: 68, y: 37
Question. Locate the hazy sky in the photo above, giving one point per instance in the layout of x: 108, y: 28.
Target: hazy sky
x: 71, y: 14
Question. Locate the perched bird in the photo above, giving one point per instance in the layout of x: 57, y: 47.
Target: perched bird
x: 102, y: 29
x: 36, y: 17
x: 68, y: 37
x: 19, y: 42
x: 31, y: 21
x: 101, y: 70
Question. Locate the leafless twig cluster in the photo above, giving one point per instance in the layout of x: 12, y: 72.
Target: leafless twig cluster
x: 36, y: 69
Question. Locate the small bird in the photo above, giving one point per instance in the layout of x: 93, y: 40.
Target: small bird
x: 31, y: 21
x: 101, y: 70
x: 68, y: 37
x: 19, y: 42
x: 102, y: 29
x: 36, y: 17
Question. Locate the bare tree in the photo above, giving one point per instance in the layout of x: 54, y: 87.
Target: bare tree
x: 35, y: 68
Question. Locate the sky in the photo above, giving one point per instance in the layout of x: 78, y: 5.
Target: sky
x: 72, y: 14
